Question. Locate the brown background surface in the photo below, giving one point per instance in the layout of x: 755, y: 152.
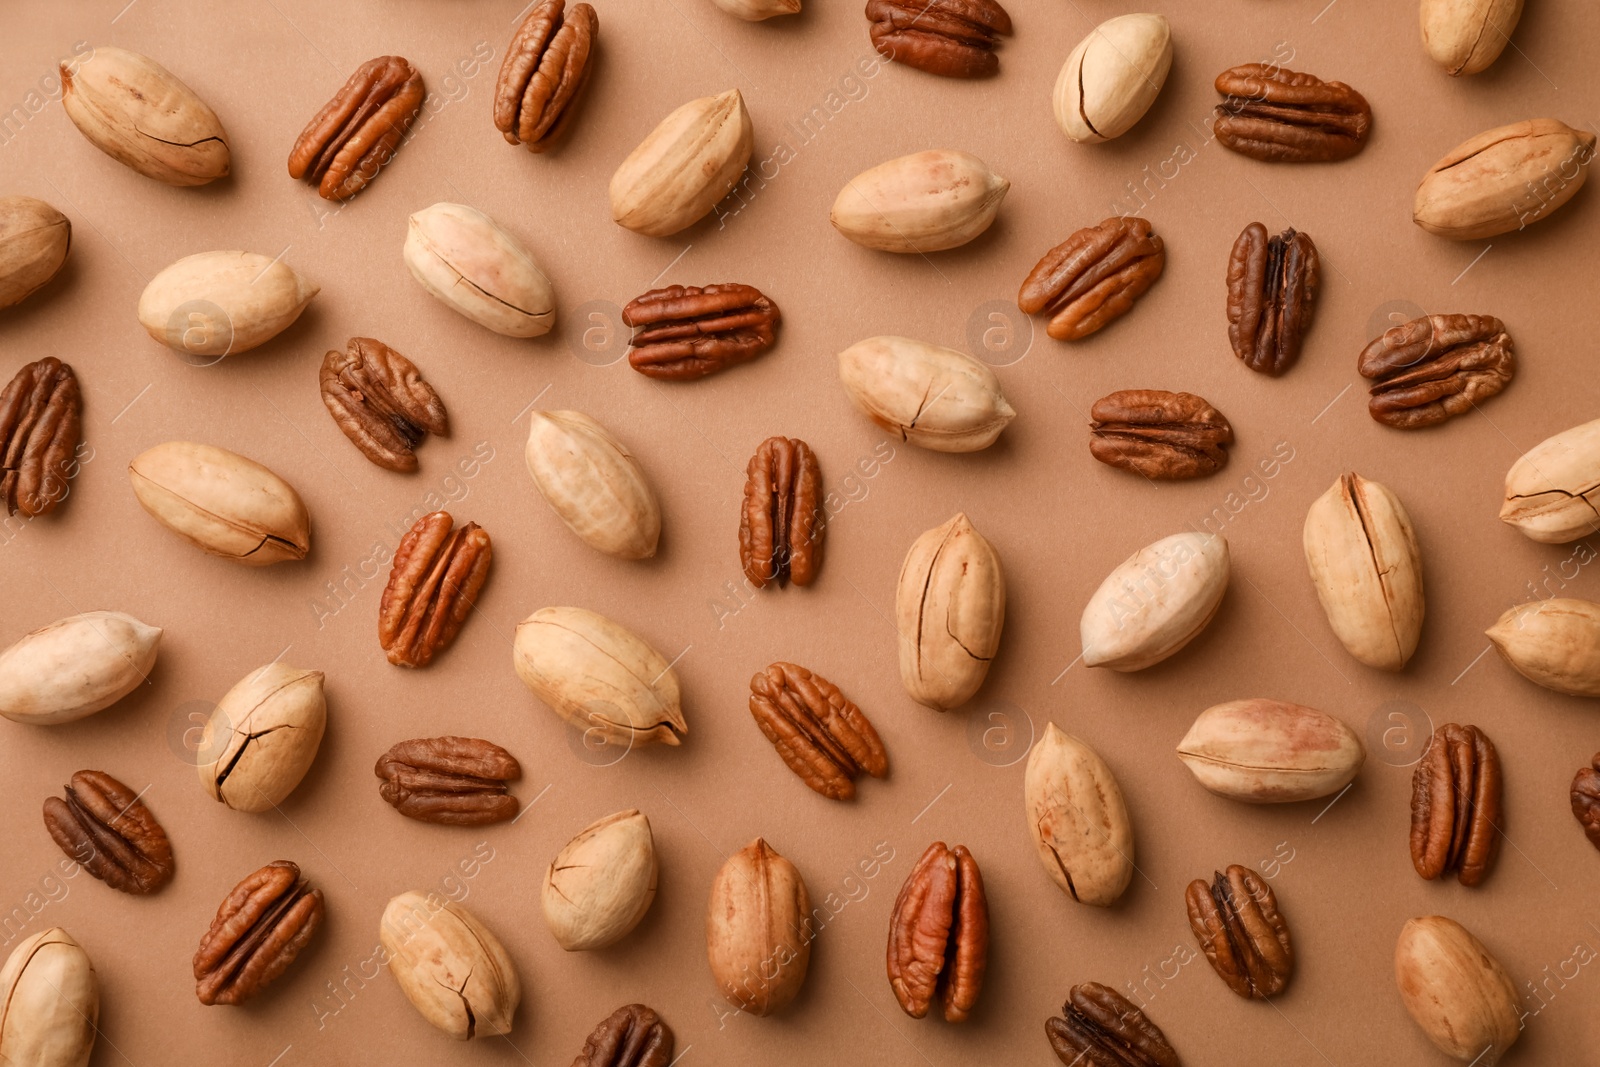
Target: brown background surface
x: 1059, y: 520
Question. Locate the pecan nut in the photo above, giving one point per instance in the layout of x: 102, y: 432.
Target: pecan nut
x: 262, y: 925
x: 690, y: 331
x: 1455, y: 806
x: 1237, y: 922
x: 1159, y: 434
x: 355, y: 133
x: 1093, y: 277
x: 1281, y: 116
x: 781, y: 522
x: 1272, y: 287
x: 457, y: 781
x: 631, y: 1036
x: 106, y: 827
x: 1586, y: 800
x: 546, y: 67
x: 1433, y: 367
x: 41, y: 414
x: 437, y: 573
x: 1099, y: 1027
x: 952, y: 38
x: 379, y: 399
x: 821, y: 736
x: 939, y: 935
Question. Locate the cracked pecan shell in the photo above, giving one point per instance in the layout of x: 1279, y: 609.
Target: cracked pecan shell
x: 106, y: 828
x: 781, y: 521
x: 546, y: 67
x: 41, y: 415
x: 1455, y: 806
x: 262, y: 925
x: 821, y: 736
x: 1099, y: 1027
x: 437, y: 573
x: 631, y: 1036
x: 1586, y: 800
x: 1237, y: 922
x: 457, y: 781
x: 1093, y: 277
x: 951, y: 38
x: 1434, y: 367
x: 1272, y: 288
x: 379, y: 399
x: 356, y: 133
x: 1159, y: 434
x: 690, y: 331
x: 939, y: 935
x: 1281, y: 116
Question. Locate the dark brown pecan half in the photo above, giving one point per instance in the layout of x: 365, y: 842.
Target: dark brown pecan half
x: 381, y: 402
x: 260, y: 928
x: 437, y: 573
x: 939, y: 935
x: 821, y: 736
x: 1099, y: 1027
x: 41, y: 414
x: 1455, y: 806
x: 1093, y: 277
x: 781, y: 523
x: 690, y: 331
x: 631, y: 1036
x: 1237, y: 922
x: 106, y: 827
x: 1280, y: 116
x: 1431, y: 368
x: 546, y: 67
x: 458, y: 781
x: 1272, y: 285
x: 1586, y: 800
x: 356, y: 132
x: 1159, y: 434
x: 952, y: 38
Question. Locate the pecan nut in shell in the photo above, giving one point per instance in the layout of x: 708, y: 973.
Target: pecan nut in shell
x: 546, y: 67
x: 1433, y: 367
x: 939, y: 935
x: 457, y: 781
x: 1282, y: 116
x: 631, y: 1036
x: 690, y: 331
x: 41, y: 417
x: 438, y: 571
x: 1093, y: 277
x: 951, y: 38
x: 821, y: 735
x: 1272, y: 288
x: 356, y: 133
x: 1586, y: 800
x: 781, y: 521
x: 1236, y: 920
x: 105, y: 827
x: 380, y: 401
x: 1099, y: 1027
x: 262, y: 925
x: 1158, y: 434
x: 1456, y: 806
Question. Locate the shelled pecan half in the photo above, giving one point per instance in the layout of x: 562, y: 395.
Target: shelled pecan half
x: 952, y: 38
x: 1455, y: 806
x: 821, y: 736
x: 458, y: 781
x: 939, y: 935
x: 41, y: 414
x: 1586, y: 800
x: 1099, y: 1027
x: 356, y: 133
x: 379, y: 399
x: 1159, y: 434
x: 1433, y: 367
x: 1237, y: 922
x: 437, y: 573
x: 547, y: 65
x: 1093, y: 277
x: 781, y: 521
x: 1281, y: 116
x: 1272, y: 287
x: 106, y: 827
x: 690, y: 331
x: 262, y: 925
x: 631, y: 1036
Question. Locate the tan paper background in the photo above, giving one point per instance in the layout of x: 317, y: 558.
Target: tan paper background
x: 1059, y: 520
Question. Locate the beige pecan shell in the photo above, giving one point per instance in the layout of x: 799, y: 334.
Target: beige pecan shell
x: 223, y: 303
x: 601, y: 883
x: 924, y: 202
x: 1456, y: 991
x: 49, y: 1002
x: 1077, y: 819
x: 137, y: 112
x: 593, y: 483
x: 759, y: 929
x: 933, y: 397
x: 1554, y: 643
x: 1503, y: 179
x: 451, y: 968
x: 222, y: 503
x: 34, y: 240
x: 950, y: 606
x: 262, y: 737
x: 75, y: 667
x: 1270, y: 752
x: 684, y: 166
x: 1112, y: 77
x: 1155, y: 602
x: 1467, y: 36
x: 478, y: 269
x: 1553, y: 491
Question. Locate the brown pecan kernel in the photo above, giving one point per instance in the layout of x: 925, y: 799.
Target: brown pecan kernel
x: 106, y: 827
x: 458, y: 781
x: 355, y: 133
x: 1455, y: 806
x: 1272, y: 285
x: 631, y: 1036
x: 1237, y: 922
x: 690, y: 331
x: 1093, y: 277
x: 41, y: 413
x: 1586, y: 800
x: 1098, y: 1027
x: 437, y: 573
x: 821, y: 736
x: 1159, y: 434
x: 939, y: 935
x: 1436, y: 366
x: 260, y: 928
x: 381, y: 402
x: 1281, y: 116
x: 546, y: 67
x: 952, y: 38
x: 780, y: 524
